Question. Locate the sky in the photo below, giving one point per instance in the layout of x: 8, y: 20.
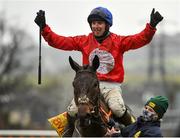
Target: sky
x: 69, y: 17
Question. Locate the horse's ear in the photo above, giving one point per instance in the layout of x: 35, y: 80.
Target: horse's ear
x: 75, y: 66
x: 95, y: 63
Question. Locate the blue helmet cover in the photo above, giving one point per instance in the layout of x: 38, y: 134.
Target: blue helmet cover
x: 101, y: 13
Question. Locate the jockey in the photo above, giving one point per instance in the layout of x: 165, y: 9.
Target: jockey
x: 148, y: 123
x: 109, y: 47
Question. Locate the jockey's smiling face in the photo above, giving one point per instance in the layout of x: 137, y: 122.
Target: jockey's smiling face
x: 98, y: 28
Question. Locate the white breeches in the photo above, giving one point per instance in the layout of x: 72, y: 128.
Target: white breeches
x: 112, y: 94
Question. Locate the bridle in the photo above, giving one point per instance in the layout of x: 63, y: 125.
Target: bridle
x: 93, y: 116
x: 86, y: 99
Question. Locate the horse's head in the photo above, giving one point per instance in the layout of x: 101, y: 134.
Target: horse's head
x: 86, y: 86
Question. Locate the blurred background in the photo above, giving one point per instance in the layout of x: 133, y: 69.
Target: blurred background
x: 149, y: 71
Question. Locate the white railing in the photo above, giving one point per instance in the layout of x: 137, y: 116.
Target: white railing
x: 34, y: 133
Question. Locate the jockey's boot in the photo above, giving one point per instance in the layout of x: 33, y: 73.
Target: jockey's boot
x: 126, y: 119
x: 69, y: 129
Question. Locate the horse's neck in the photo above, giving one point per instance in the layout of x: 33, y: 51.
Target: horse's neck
x: 103, y: 105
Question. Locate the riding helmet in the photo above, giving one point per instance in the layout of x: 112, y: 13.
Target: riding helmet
x: 100, y: 14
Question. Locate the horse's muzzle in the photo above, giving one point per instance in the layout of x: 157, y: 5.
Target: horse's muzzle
x: 83, y: 110
x: 85, y: 106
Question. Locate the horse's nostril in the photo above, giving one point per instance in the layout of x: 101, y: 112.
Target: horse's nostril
x: 83, y: 109
x: 88, y: 115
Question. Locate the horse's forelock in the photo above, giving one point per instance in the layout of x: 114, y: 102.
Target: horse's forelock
x: 88, y: 68
x: 85, y: 67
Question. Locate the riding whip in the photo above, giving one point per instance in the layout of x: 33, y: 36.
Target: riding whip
x: 39, y: 68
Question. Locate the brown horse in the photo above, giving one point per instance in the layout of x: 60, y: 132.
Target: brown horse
x: 87, y: 98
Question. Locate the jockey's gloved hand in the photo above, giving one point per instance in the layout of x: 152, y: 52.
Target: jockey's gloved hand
x: 40, y: 19
x: 155, y: 18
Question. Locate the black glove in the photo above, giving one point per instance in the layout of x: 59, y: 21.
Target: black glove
x: 40, y: 19
x: 155, y: 18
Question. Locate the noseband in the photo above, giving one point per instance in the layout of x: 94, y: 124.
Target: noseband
x: 85, y: 101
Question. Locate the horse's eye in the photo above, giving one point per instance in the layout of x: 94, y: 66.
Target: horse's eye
x: 73, y: 84
x: 95, y: 84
